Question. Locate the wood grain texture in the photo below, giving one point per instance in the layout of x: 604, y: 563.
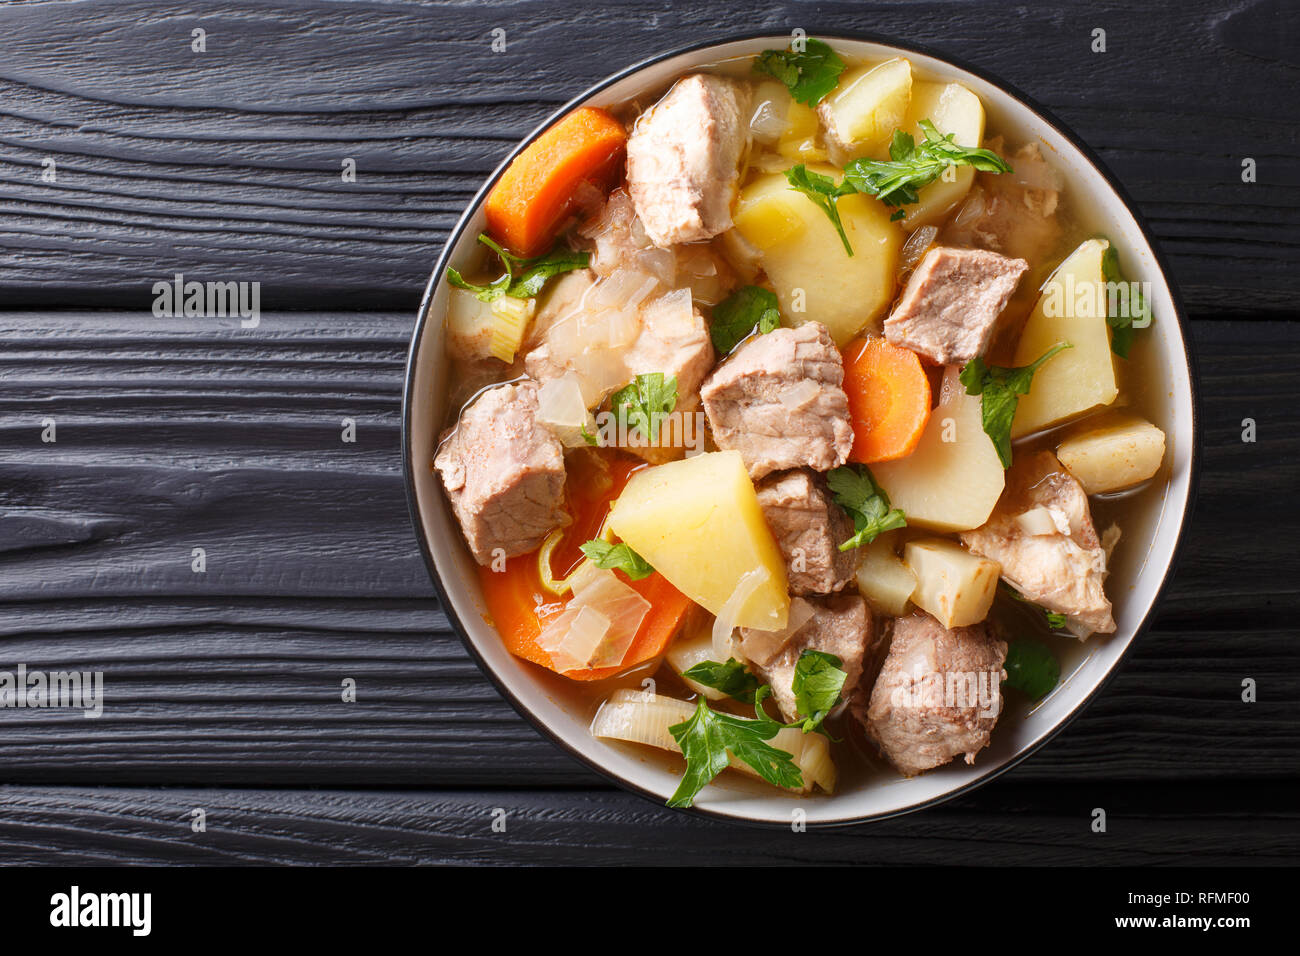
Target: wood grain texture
x: 174, y: 434
x: 999, y: 825
x: 226, y: 164
x: 180, y: 434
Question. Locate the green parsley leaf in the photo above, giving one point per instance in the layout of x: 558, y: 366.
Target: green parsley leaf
x: 822, y: 191
x: 867, y: 504
x: 708, y: 736
x: 737, y: 315
x: 1031, y: 668
x: 912, y: 165
x: 817, y: 683
x: 610, y: 556
x: 484, y: 293
x: 1055, y: 621
x: 808, y: 75
x: 1134, y: 305
x: 732, y: 678
x: 1000, y: 390
x: 642, y: 403
x: 589, y: 438
x: 533, y: 275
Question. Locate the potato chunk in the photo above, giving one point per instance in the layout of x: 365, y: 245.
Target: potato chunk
x: 953, y: 586
x: 799, y: 249
x: 883, y: 579
x: 953, y: 109
x: 1071, y: 308
x: 869, y: 103
x: 953, y: 479
x: 1115, y: 454
x: 699, y: 523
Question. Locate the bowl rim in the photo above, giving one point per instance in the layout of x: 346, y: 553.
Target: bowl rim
x: 453, y: 240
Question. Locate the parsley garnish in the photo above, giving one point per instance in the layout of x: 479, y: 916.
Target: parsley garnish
x: 809, y: 75
x: 866, y: 502
x: 643, y: 403
x: 1031, y: 668
x: 708, y: 737
x: 822, y: 191
x: 533, y: 273
x: 610, y: 556
x: 731, y: 678
x: 737, y: 315
x: 1000, y: 390
x: 1121, y: 325
x: 817, y: 683
x: 912, y: 165
x: 1055, y: 621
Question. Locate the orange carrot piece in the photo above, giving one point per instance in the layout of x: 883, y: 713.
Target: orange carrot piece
x: 532, y: 197
x: 889, y: 400
x: 519, y: 605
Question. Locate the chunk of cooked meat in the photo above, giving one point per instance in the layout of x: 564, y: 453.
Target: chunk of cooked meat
x: 504, y: 473
x: 779, y: 400
x: 1041, y: 532
x: 838, y: 625
x: 809, y: 528
x: 951, y: 302
x: 683, y: 158
x: 938, y: 694
x: 1012, y: 213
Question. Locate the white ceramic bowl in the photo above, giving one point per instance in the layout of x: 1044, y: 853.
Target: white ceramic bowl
x: 1149, y: 547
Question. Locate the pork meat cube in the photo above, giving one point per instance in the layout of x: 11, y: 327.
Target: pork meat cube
x: 952, y: 300
x: 1042, y: 534
x: 838, y: 625
x: 938, y: 694
x: 809, y: 528
x: 683, y: 160
x: 779, y: 401
x: 504, y: 473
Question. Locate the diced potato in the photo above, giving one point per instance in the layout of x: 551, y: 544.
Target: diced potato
x: 1120, y: 452
x: 803, y: 257
x: 953, y: 109
x: 698, y: 522
x: 1071, y: 308
x: 869, y: 103
x: 798, y: 141
x: 953, y: 586
x: 883, y: 579
x: 954, y: 478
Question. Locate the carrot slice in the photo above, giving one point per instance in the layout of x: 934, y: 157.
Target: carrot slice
x: 889, y: 399
x: 519, y: 606
x: 528, y: 203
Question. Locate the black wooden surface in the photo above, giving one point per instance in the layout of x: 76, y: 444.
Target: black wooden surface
x: 223, y: 687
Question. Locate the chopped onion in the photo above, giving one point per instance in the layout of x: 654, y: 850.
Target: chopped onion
x: 1042, y: 521
x: 915, y: 248
x: 671, y: 315
x: 725, y: 644
x: 601, y: 638
x: 761, y: 646
x: 971, y: 209
x: 645, y: 718
x: 561, y: 408
x: 768, y: 121
x: 1034, y: 172
x: 689, y: 650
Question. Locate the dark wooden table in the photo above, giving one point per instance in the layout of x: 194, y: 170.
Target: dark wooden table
x: 223, y: 688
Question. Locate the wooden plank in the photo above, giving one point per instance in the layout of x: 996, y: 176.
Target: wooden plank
x: 181, y: 434
x: 226, y: 164
x: 1002, y: 824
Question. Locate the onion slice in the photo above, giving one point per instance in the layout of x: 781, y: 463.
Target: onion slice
x: 725, y: 644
